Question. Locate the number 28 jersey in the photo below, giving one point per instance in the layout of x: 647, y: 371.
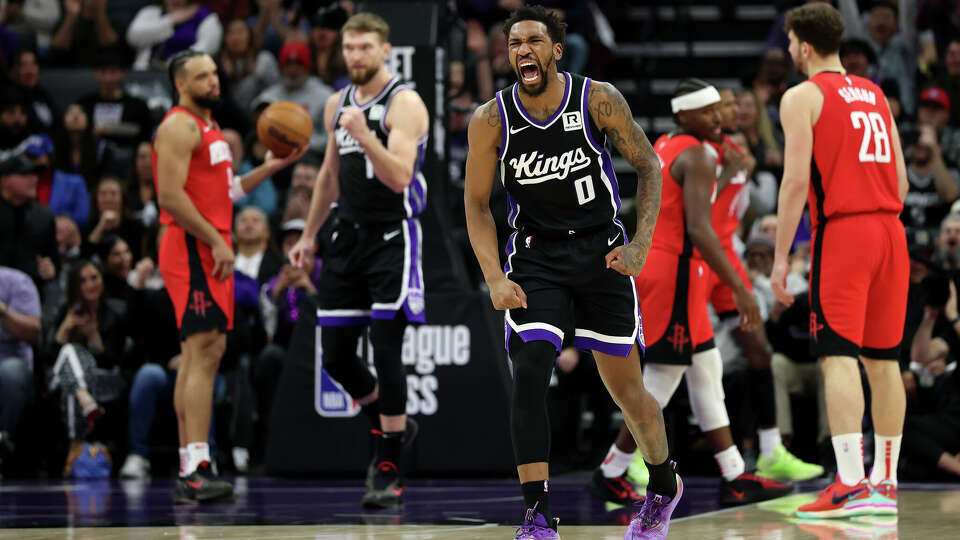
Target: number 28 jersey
x: 854, y: 168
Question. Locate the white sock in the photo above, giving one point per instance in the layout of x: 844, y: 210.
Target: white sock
x: 886, y: 455
x: 731, y: 463
x: 769, y: 441
x: 197, y: 453
x: 849, y: 451
x: 184, y: 459
x: 616, y: 462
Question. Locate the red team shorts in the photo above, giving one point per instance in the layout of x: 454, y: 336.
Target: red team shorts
x: 858, y: 286
x: 200, y: 301
x: 677, y: 285
x: 720, y: 294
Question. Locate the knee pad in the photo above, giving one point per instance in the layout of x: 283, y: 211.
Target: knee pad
x: 662, y: 380
x: 340, y: 360
x: 705, y: 385
x: 529, y: 423
x: 387, y: 338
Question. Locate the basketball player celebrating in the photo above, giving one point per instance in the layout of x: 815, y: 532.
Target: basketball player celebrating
x: 685, y: 250
x: 546, y: 134
x: 733, y: 168
x: 196, y: 188
x: 843, y: 153
x: 372, y: 272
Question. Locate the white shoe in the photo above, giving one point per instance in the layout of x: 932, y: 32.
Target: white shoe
x: 135, y: 466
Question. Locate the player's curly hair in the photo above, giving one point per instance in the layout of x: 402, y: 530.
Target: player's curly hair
x: 818, y: 24
x: 556, y: 29
x: 689, y: 86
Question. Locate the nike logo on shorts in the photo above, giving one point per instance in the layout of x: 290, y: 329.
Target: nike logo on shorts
x: 390, y: 235
x: 518, y: 130
x: 612, y: 240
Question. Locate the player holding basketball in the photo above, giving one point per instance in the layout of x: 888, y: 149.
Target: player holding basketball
x: 546, y: 134
x: 371, y: 272
x: 843, y: 153
x: 675, y: 280
x: 196, y: 188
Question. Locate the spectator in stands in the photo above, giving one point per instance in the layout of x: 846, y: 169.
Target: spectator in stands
x: 30, y: 22
x: 248, y: 71
x: 14, y: 120
x: 25, y: 73
x: 576, y: 49
x: 896, y: 51
x: 949, y: 79
x: 304, y: 177
x: 117, y: 118
x: 272, y: 26
x: 931, y: 438
x: 61, y: 191
x: 19, y: 331
x: 755, y: 125
x: 141, y: 196
x: 68, y: 240
x: 110, y: 217
x: 117, y: 262
x: 948, y: 243
x: 87, y: 341
x: 934, y: 110
x: 858, y: 58
x: 933, y: 186
x: 325, y: 42
x: 264, y: 196
x: 84, y: 29
x: 159, y: 32
x: 76, y: 147
x: 229, y: 10
x: 28, y: 238
x: 299, y: 86
x: 255, y: 258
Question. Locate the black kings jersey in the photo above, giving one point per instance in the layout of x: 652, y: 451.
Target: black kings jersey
x: 363, y: 198
x: 557, y: 174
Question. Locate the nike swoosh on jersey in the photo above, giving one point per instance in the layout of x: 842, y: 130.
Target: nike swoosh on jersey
x: 518, y: 130
x: 390, y: 235
x: 612, y: 240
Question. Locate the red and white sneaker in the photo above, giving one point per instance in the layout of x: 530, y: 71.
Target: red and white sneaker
x: 839, y: 500
x: 884, y: 498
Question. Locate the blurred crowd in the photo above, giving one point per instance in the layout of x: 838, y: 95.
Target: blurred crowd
x: 78, y: 217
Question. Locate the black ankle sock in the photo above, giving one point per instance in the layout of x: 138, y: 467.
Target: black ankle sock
x: 663, y: 480
x: 537, y: 493
x: 390, y: 445
x: 372, y: 410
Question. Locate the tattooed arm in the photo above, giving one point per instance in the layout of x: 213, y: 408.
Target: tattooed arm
x: 612, y: 114
x: 483, y: 136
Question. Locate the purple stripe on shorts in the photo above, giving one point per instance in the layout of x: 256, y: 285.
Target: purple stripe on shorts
x: 591, y: 344
x: 413, y: 305
x: 359, y: 320
x: 513, y: 211
x: 541, y: 335
x: 511, y: 248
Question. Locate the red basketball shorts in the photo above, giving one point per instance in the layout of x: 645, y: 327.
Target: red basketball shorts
x: 673, y: 298
x: 200, y: 301
x: 720, y: 294
x: 858, y: 286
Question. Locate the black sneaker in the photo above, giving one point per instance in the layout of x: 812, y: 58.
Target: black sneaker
x: 616, y: 490
x: 202, y: 486
x: 749, y: 488
x: 410, y: 432
x: 387, y: 489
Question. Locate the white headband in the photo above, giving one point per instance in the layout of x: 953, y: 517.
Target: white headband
x: 695, y: 100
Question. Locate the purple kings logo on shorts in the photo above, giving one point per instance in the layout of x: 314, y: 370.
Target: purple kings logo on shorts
x: 415, y: 300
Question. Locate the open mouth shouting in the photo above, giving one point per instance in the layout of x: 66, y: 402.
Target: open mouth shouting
x: 529, y: 71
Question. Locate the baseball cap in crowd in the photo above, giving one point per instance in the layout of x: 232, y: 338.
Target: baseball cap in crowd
x: 296, y: 51
x: 332, y: 17
x: 935, y: 96
x: 18, y: 162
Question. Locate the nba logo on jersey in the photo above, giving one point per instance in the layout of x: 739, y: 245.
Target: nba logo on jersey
x: 376, y: 112
x: 572, y: 121
x: 220, y: 152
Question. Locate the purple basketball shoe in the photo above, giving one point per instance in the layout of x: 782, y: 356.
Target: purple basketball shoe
x: 653, y: 521
x: 535, y: 527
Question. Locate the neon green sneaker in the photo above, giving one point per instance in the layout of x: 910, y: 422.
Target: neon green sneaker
x: 786, y: 467
x: 637, y: 472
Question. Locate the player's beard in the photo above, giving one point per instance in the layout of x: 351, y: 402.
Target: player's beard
x: 363, y: 77
x: 208, y: 102
x: 544, y: 80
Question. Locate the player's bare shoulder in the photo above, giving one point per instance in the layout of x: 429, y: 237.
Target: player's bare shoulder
x: 804, y: 99
x: 179, y: 129
x: 486, y: 125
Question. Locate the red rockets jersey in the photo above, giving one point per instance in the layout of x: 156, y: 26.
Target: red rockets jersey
x: 854, y: 168
x: 726, y: 213
x: 670, y: 235
x: 208, y: 179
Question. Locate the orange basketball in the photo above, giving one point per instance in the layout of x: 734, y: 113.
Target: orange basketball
x: 283, y: 126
